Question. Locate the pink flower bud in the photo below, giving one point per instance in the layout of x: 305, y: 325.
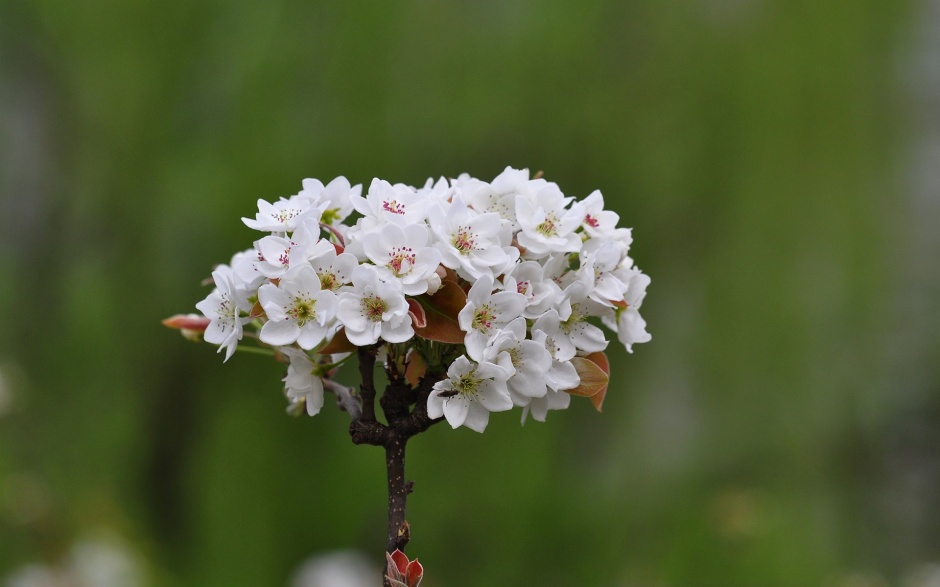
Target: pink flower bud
x: 187, y: 322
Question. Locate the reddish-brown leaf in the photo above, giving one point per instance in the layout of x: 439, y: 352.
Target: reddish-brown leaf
x: 339, y: 344
x: 413, y: 573
x: 593, y: 378
x: 418, y: 317
x: 600, y: 359
x: 401, y: 561
x: 449, y: 300
x: 449, y: 274
x: 441, y: 312
x: 416, y: 368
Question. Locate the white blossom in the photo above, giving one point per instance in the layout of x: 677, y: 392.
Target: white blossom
x: 547, y: 225
x: 402, y: 253
x: 527, y: 273
x: 629, y: 325
x: 223, y: 307
x: 285, y: 215
x: 374, y: 309
x: 526, y: 360
x: 469, y: 393
x: 597, y: 222
x: 302, y: 384
x: 297, y: 309
x: 334, y: 269
x: 335, y: 197
x: 486, y: 313
x: 469, y: 242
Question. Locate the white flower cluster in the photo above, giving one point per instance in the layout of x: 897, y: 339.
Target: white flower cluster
x: 508, y: 276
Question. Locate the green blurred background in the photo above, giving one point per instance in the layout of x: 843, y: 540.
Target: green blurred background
x: 777, y: 159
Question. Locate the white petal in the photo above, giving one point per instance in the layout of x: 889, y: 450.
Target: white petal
x: 455, y: 410
x: 279, y: 332
x: 477, y: 418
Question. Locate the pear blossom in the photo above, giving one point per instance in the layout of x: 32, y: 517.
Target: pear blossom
x: 469, y: 393
x: 297, y: 309
x: 528, y: 279
x: 547, y: 224
x: 528, y: 361
x: 602, y: 270
x: 560, y: 376
x: 469, y: 242
x: 277, y: 254
x: 334, y: 269
x: 385, y: 202
x: 559, y: 345
x: 402, y: 253
x: 285, y: 215
x: 597, y: 222
x: 486, y: 313
x: 335, y: 197
x: 484, y: 197
x: 540, y: 406
x: 374, y: 309
x: 629, y: 325
x: 440, y: 191
x: 223, y: 307
x: 244, y: 274
x: 574, y: 331
x: 301, y: 384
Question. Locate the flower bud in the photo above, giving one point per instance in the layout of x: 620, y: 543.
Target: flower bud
x: 191, y: 326
x: 434, y: 283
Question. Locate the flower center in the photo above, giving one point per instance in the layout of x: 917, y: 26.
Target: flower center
x: 515, y: 354
x: 330, y: 216
x: 551, y: 346
x: 373, y: 307
x: 401, y: 260
x: 547, y: 227
x: 303, y: 310
x: 523, y: 287
x: 463, y: 240
x: 591, y: 221
x: 573, y: 320
x: 393, y: 206
x: 226, y: 309
x: 483, y: 318
x: 468, y: 384
x: 328, y: 281
x: 283, y: 216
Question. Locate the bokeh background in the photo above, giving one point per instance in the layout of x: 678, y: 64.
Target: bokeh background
x: 779, y: 161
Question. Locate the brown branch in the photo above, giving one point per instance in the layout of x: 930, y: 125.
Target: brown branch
x: 403, y: 423
x: 398, y: 534
x: 367, y: 382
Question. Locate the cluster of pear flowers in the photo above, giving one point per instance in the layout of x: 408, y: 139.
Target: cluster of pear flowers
x: 496, y: 287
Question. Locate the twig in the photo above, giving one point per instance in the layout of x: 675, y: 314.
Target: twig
x: 345, y: 397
